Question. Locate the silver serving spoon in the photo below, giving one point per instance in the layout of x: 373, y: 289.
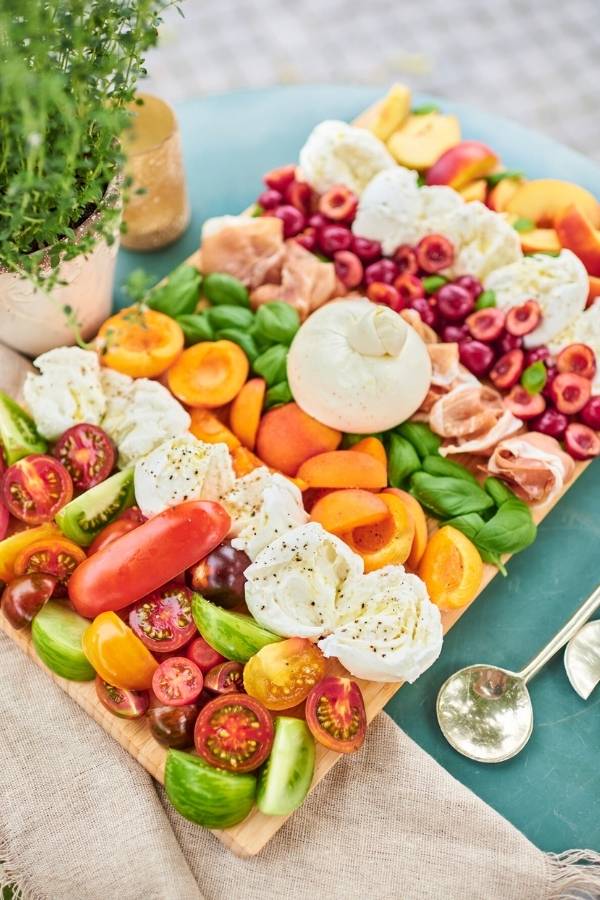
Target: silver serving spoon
x: 582, y: 659
x: 485, y: 712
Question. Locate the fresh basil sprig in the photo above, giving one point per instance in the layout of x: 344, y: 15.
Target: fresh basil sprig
x: 420, y: 435
x: 276, y: 322
x: 448, y: 497
x: 196, y: 328
x: 229, y: 316
x: 470, y: 525
x: 179, y: 295
x: 272, y: 364
x: 278, y: 394
x: 534, y: 377
x: 402, y: 460
x: 438, y: 465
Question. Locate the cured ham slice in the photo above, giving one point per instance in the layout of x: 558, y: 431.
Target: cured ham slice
x: 533, y: 464
x: 472, y: 419
x: 426, y: 333
x: 250, y: 249
x: 306, y: 282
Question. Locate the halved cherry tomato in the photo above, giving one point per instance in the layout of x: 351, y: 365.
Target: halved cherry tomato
x: 12, y: 546
x: 121, y: 703
x: 451, y: 568
x: 54, y: 556
x: 163, y: 620
x: 226, y: 678
x: 23, y: 597
x: 203, y: 654
x: 178, y: 681
x: 140, y: 342
x: 173, y: 726
x: 130, y: 519
x: 87, y: 453
x: 234, y: 732
x: 117, y: 655
x: 335, y: 714
x: 282, y: 674
x: 35, y: 488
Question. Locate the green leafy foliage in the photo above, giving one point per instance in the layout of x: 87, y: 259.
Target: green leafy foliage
x: 402, y: 460
x: 178, y: 296
x: 534, y: 377
x: 486, y: 300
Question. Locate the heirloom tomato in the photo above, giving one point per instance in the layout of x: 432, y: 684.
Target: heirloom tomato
x: 281, y: 675
x: 234, y: 732
x: 163, y: 620
x: 335, y: 714
x: 178, y: 681
x: 117, y: 655
x: 35, y: 488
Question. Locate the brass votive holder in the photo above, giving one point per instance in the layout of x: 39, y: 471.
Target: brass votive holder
x: 157, y: 210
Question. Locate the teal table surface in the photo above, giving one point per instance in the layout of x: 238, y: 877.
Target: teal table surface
x: 551, y: 791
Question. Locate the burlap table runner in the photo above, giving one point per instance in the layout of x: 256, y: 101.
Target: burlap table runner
x: 81, y: 820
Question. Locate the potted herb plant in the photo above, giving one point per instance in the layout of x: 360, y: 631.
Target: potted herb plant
x: 68, y: 70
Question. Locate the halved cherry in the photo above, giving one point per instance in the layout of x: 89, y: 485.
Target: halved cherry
x: 507, y: 370
x: 348, y: 268
x: 454, y: 302
x: 299, y: 194
x: 581, y: 442
x: 409, y: 287
x: 578, y: 358
x: 507, y: 342
x: 406, y: 260
x: 522, y: 319
x: 56, y: 556
x: 120, y: 702
x: 338, y: 203
x: 234, y: 732
x: 536, y: 354
x: 486, y: 324
x: 87, y: 453
x: 307, y: 238
x: 23, y: 597
x: 434, y: 253
x: 551, y: 422
x: 163, y: 620
x: 570, y: 392
x: 205, y: 656
x: 335, y: 714
x: 36, y: 488
x: 590, y: 414
x: 225, y: 678
x: 383, y: 270
x: 279, y: 179
x: 470, y: 284
x: 476, y: 356
x: 177, y: 681
x: 523, y: 404
x: 367, y: 251
x: 379, y: 292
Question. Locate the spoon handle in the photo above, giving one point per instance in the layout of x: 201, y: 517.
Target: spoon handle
x: 570, y: 627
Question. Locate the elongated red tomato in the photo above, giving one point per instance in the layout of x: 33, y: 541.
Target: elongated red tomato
x: 139, y: 562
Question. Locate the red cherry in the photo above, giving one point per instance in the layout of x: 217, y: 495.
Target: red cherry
x: 380, y: 292
x: 338, y: 203
x: 318, y: 221
x: 590, y: 414
x: 269, y: 199
x: 382, y: 270
x: 280, y: 178
x: 536, y: 354
x: 477, y: 357
x: 452, y: 334
x: 486, y: 324
x: 454, y: 302
x: 551, y: 422
x: 307, y: 238
x: 299, y: 194
x: 366, y: 250
x: 406, y: 260
x: 507, y: 342
x: 578, y: 358
x: 409, y: 287
x: 570, y: 392
x: 434, y: 253
x: 507, y: 370
x: 523, y: 404
x: 348, y: 268
x: 333, y: 238
x: 522, y: 319
x: 421, y: 306
x: 470, y: 284
x: 581, y: 442
x: 292, y: 218
x: 551, y: 373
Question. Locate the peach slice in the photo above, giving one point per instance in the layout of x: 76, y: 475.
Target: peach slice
x: 208, y: 428
x: 287, y: 437
x: 373, y: 447
x: 501, y: 193
x: 386, y: 543
x: 415, y: 511
x: 594, y: 290
x: 341, y: 511
x: 474, y: 190
x: 343, y: 469
x: 543, y: 199
x: 577, y: 233
x: 246, y: 410
x: 540, y: 240
x: 244, y: 461
x: 422, y: 139
x: 392, y: 112
x: 461, y: 164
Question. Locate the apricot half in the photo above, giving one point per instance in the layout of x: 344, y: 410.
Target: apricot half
x: 540, y: 240
x: 543, y: 199
x: 423, y: 139
x: 577, y: 233
x: 341, y: 511
x: 287, y: 437
x: 392, y: 112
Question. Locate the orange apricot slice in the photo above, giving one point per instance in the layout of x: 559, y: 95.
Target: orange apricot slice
x: 451, y: 568
x: 341, y: 511
x: 287, y: 436
x: 415, y: 511
x: 209, y: 374
x: 244, y: 461
x: 246, y: 411
x: 373, y: 447
x: 208, y: 428
x: 139, y: 342
x: 387, y: 542
x: 343, y: 469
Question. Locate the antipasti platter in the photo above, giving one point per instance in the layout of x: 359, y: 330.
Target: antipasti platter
x: 246, y: 513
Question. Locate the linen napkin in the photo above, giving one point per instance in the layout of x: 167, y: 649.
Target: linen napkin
x: 81, y: 820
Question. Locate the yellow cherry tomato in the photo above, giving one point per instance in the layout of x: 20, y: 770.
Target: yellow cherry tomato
x: 117, y: 654
x: 281, y: 675
x: 11, y: 547
x: 451, y: 568
x: 140, y: 342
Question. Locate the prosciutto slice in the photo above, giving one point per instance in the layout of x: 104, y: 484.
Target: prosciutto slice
x: 250, y: 249
x: 472, y: 419
x: 306, y: 282
x: 533, y: 464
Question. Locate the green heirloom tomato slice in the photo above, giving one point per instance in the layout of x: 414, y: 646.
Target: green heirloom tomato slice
x: 285, y: 778
x: 85, y: 516
x: 56, y: 632
x: 18, y: 434
x: 234, y: 636
x: 210, y: 797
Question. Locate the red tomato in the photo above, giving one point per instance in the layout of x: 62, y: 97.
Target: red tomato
x: 203, y: 655
x: 127, y: 521
x: 4, y: 519
x: 121, y: 703
x: 139, y: 562
x: 87, y: 453
x: 234, y: 732
x: 163, y: 620
x: 36, y: 488
x: 177, y: 681
x: 54, y: 556
x: 335, y: 714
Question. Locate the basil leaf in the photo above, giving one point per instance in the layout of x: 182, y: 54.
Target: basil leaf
x: 485, y: 300
x: 437, y: 465
x: 449, y: 496
x: 425, y: 109
x: 196, y: 328
x: 242, y: 339
x: 277, y: 322
x: 523, y: 225
x: 349, y: 440
x: 178, y: 296
x: 510, y: 530
x: 272, y: 364
x: 257, y: 211
x: 278, y: 394
x: 432, y: 283
x: 225, y: 290
x: 421, y: 180
x: 534, y: 377
x: 402, y: 460
x: 420, y: 435
x: 470, y: 525
x: 228, y: 316
x: 498, y: 491
x: 496, y: 177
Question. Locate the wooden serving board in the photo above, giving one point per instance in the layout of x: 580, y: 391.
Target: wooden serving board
x: 251, y: 835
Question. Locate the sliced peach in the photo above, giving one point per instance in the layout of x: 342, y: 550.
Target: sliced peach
x: 372, y: 446
x: 208, y: 428
x: 461, y: 164
x: 422, y: 139
x: 501, y: 193
x: 543, y: 199
x: 577, y: 233
x: 342, y: 511
x: 451, y: 568
x: 474, y: 190
x: 287, y: 437
x: 246, y: 410
x: 244, y: 461
x: 392, y: 112
x: 415, y: 511
x: 540, y: 240
x: 343, y: 469
x: 594, y: 289
x: 387, y: 543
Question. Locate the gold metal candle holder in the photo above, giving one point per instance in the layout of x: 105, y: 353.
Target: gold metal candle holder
x: 161, y: 213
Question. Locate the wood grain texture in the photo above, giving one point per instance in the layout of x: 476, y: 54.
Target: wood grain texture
x: 251, y: 835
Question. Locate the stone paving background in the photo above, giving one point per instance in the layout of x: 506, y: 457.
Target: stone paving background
x: 536, y: 61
